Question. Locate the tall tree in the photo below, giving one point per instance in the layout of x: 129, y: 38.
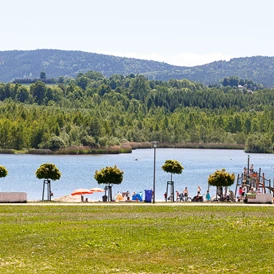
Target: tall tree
x: 109, y: 176
x: 48, y: 172
x: 38, y: 90
x: 43, y: 75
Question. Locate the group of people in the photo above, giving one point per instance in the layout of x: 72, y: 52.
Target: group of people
x: 249, y: 172
x: 184, y: 196
x: 243, y: 191
x: 250, y: 178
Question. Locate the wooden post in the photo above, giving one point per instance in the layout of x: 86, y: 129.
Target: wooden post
x: 263, y: 186
x: 248, y: 158
x: 237, y: 185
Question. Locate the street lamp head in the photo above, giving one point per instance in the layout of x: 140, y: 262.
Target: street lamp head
x: 154, y: 143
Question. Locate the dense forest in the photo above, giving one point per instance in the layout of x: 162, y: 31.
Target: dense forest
x: 27, y: 64
x: 94, y: 111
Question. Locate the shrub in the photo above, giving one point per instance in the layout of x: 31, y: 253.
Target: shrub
x: 3, y: 172
x: 221, y: 178
x: 48, y: 171
x: 172, y: 166
x: 109, y: 175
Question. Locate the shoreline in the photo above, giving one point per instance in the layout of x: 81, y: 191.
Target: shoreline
x: 123, y: 148
x: 158, y: 203
x: 76, y: 200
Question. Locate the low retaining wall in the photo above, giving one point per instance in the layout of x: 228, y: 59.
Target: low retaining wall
x: 259, y: 198
x: 13, y: 197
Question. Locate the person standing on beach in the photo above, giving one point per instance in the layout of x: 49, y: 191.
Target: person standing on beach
x: 244, y: 191
x: 177, y: 196
x: 165, y: 196
x: 185, y: 192
x: 251, y: 170
x: 207, y: 196
x: 199, y: 190
x: 240, y: 193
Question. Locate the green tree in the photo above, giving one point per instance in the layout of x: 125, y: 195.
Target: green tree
x: 172, y: 167
x: 5, y: 134
x: 54, y: 143
x: 43, y: 75
x: 37, y: 133
x: 109, y: 176
x: 82, y: 82
x: 48, y: 172
x: 38, y: 90
x: 3, y: 172
x: 61, y: 79
x: 221, y: 178
x: 23, y: 94
x: 259, y: 143
x: 95, y: 128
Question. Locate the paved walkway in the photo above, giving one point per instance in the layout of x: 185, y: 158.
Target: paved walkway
x: 38, y: 203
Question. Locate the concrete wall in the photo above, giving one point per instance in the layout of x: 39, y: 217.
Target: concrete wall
x: 261, y: 198
x: 13, y: 197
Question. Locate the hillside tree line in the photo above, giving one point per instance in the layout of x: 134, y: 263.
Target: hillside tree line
x: 95, y: 111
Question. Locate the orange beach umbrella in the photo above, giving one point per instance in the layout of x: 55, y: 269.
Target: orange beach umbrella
x: 97, y: 189
x: 81, y: 191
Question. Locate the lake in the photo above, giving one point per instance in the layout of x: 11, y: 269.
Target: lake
x: 78, y: 171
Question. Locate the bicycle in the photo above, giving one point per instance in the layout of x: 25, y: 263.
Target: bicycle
x: 183, y: 198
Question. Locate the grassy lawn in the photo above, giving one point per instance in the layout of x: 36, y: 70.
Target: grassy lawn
x: 136, y: 239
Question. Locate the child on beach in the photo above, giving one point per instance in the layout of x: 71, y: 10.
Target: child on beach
x: 177, y: 196
x: 198, y: 190
x: 207, y: 196
x: 240, y: 192
x: 185, y: 192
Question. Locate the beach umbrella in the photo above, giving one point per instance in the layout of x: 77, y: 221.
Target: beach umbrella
x: 97, y: 189
x: 81, y: 191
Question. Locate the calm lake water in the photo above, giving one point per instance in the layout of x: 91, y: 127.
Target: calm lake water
x: 78, y: 171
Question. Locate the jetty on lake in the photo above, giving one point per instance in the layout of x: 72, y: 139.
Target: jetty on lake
x: 256, y: 187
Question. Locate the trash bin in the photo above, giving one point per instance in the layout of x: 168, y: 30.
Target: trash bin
x: 148, y: 196
x: 105, y: 198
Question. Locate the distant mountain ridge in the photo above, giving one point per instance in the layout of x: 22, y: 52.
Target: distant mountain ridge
x: 29, y: 64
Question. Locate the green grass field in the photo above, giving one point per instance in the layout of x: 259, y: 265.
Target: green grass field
x: 136, y: 239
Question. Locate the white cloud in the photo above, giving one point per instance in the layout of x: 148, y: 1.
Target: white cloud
x: 181, y: 59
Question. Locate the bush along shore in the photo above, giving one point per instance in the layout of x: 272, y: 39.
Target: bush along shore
x: 124, y: 148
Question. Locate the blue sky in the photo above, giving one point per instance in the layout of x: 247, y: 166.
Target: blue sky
x: 179, y: 32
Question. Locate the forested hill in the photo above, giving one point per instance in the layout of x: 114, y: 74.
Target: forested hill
x: 29, y: 64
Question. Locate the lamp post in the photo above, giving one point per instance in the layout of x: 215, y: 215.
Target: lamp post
x: 154, y: 144
x: 248, y: 161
